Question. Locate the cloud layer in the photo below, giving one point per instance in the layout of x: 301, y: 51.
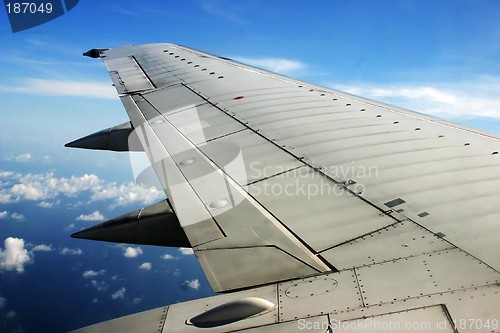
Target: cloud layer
x: 15, y: 186
x: 21, y: 158
x: 15, y: 255
x: 277, y: 65
x: 14, y: 216
x: 35, y: 86
x: 475, y: 98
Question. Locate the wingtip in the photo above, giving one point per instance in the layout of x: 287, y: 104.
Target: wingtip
x: 77, y: 235
x: 71, y: 144
x: 89, y: 233
x: 94, y: 53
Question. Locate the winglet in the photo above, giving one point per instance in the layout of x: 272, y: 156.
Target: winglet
x: 153, y: 225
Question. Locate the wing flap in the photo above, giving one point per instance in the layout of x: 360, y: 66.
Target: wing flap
x: 338, y: 215
x: 249, y: 266
x: 401, y: 240
x: 215, y: 212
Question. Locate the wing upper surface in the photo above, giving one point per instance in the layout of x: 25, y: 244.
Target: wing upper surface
x: 274, y: 179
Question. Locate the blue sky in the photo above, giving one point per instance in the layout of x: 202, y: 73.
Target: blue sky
x: 437, y: 57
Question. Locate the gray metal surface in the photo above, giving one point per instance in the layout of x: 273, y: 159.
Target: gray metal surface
x: 184, y: 311
x: 348, y: 209
x: 400, y: 240
x: 127, y: 75
x: 147, y: 321
x: 428, y: 319
x: 338, y: 215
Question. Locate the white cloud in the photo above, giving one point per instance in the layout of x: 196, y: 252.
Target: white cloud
x: 44, y: 186
x: 229, y: 10
x: 146, y: 266
x: 35, y: 86
x: 5, y: 197
x: 3, y: 301
x: 91, y: 273
x: 6, y: 174
x: 127, y: 193
x: 10, y: 314
x: 132, y: 252
x: 167, y: 256
x: 42, y: 248
x: 70, y: 252
x: 475, y: 98
x: 99, y: 285
x: 70, y: 227
x: 14, y: 256
x: 21, y: 158
x: 120, y: 293
x: 193, y: 284
x: 46, y: 204
x: 17, y: 216
x: 95, y: 216
x: 137, y: 300
x: 186, y: 251
x: 277, y: 65
x: 95, y: 301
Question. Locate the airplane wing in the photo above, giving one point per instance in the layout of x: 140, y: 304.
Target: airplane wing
x: 306, y: 205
